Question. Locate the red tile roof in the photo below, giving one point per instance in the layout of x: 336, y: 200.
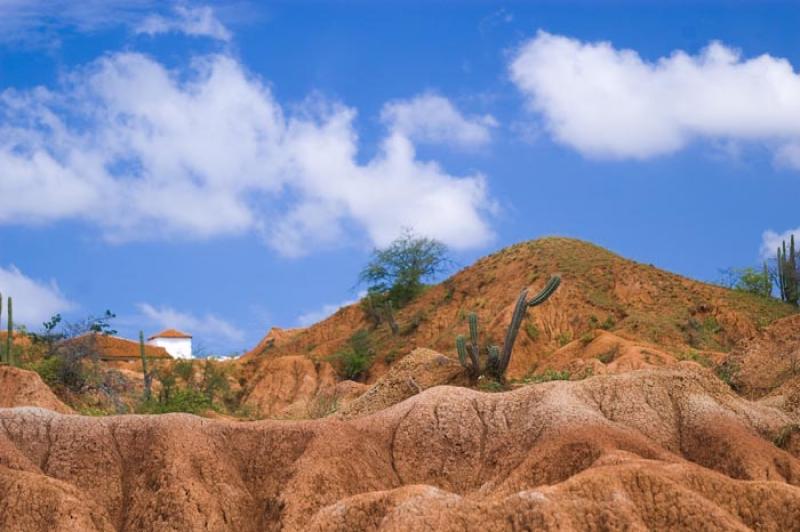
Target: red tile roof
x: 115, y: 348
x: 170, y: 333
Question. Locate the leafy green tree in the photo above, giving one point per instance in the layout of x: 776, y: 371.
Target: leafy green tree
x: 750, y: 280
x: 397, y: 273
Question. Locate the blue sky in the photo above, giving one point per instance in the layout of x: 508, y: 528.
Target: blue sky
x: 227, y: 167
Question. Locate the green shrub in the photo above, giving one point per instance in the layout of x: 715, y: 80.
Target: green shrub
x: 48, y: 369
x: 564, y: 338
x: 180, y: 400
x: 356, y: 358
x: 610, y: 355
x: 532, y: 331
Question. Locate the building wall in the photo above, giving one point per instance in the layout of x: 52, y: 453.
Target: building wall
x: 177, y: 347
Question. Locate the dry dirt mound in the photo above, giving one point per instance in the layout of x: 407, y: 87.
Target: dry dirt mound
x: 645, y: 450
x: 286, y: 386
x: 601, y: 352
x: 600, y: 290
x: 19, y: 387
x: 419, y: 371
x: 768, y: 360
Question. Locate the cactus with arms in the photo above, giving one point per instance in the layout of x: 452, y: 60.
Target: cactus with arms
x: 498, y: 361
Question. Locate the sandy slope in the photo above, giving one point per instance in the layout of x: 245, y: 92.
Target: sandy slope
x: 650, y: 449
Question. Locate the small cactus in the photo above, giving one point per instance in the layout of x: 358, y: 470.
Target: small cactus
x: 148, y: 378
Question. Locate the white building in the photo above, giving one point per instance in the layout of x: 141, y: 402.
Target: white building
x: 176, y: 343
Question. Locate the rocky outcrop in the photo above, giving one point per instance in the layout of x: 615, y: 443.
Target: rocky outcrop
x: 422, y: 369
x: 643, y: 450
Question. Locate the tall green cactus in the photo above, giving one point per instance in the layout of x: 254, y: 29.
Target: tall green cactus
x: 10, y: 333
x: 788, y: 273
x: 147, y: 377
x: 497, y: 363
x: 516, y: 319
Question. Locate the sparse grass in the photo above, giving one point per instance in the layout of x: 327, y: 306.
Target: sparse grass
x: 322, y: 405
x: 564, y: 338
x: 549, y: 375
x: 532, y: 331
x: 587, y: 338
x: 490, y: 385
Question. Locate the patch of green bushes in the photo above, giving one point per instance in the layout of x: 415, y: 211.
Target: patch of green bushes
x: 356, y: 357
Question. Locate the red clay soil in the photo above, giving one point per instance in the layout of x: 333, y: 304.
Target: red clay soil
x: 600, y: 290
x: 768, y: 360
x: 666, y: 449
x: 19, y: 387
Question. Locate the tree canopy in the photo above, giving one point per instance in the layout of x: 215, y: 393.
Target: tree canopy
x: 399, y: 270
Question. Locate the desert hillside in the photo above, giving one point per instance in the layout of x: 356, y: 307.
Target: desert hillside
x: 601, y: 292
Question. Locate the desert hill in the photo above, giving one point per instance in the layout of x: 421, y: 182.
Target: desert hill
x: 643, y: 450
x: 656, y: 311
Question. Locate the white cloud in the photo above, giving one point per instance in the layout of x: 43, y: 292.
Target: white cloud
x: 608, y: 102
x: 37, y: 22
x: 144, y: 152
x: 317, y: 315
x: 432, y: 118
x: 34, y: 301
x: 209, y: 326
x: 771, y: 240
x: 195, y: 21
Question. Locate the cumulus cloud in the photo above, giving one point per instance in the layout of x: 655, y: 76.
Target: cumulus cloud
x: 146, y: 152
x: 34, y: 301
x: 772, y: 240
x: 317, y: 315
x: 432, y: 118
x: 609, y: 102
x: 208, y: 326
x: 194, y: 21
